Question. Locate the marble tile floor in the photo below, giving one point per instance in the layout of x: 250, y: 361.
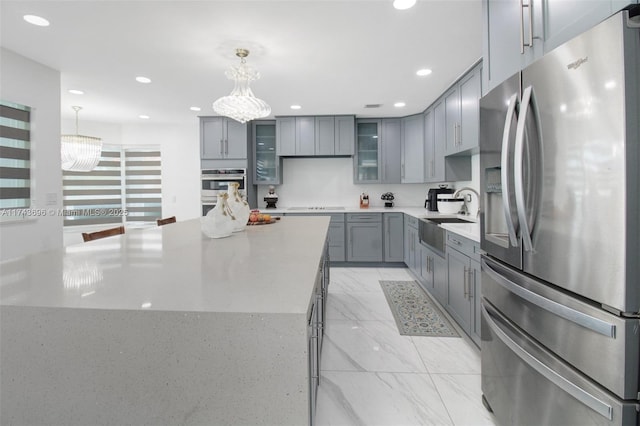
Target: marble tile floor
x: 371, y: 375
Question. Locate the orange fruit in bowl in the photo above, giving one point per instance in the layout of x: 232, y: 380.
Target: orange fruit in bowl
x: 266, y: 217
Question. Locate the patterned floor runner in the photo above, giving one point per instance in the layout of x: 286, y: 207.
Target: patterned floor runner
x: 415, y: 313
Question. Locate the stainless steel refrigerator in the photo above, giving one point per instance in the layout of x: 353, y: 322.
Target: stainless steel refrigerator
x: 560, y: 181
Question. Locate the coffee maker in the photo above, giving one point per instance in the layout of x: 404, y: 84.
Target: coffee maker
x: 431, y: 203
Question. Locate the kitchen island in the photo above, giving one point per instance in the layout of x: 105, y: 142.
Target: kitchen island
x: 163, y: 326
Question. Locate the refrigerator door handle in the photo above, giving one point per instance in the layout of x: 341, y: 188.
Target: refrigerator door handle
x: 600, y: 407
x: 505, y: 170
x: 587, y: 321
x: 517, y: 160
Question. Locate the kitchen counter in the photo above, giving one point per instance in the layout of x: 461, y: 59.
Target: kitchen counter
x: 162, y: 326
x: 469, y: 230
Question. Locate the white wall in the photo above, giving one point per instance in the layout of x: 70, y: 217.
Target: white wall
x: 329, y: 182
x: 29, y: 83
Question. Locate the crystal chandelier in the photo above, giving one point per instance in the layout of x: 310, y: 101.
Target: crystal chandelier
x: 241, y: 104
x: 80, y: 153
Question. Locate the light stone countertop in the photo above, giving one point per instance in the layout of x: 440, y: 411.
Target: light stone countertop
x: 163, y: 326
x: 468, y: 230
x: 175, y: 267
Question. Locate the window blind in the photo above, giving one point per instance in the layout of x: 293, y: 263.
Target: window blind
x: 125, y: 187
x: 15, y: 156
x: 94, y: 197
x: 143, y: 189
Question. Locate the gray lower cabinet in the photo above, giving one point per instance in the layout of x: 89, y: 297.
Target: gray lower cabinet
x: 464, y: 283
x: 364, y: 237
x: 336, y: 239
x: 411, y: 244
x: 393, y: 237
x: 434, y: 274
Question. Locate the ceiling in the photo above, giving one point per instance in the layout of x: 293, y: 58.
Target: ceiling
x: 330, y: 57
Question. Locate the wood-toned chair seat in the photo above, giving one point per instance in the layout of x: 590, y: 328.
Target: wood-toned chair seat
x: 90, y: 236
x: 166, y: 221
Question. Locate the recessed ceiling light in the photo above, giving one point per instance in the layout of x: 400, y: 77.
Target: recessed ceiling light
x: 76, y: 92
x: 195, y: 108
x: 399, y: 104
x: 36, y: 20
x: 295, y: 107
x: 144, y: 117
x: 423, y: 72
x: 403, y: 4
x: 141, y: 79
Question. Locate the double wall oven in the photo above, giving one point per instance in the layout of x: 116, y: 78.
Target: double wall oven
x: 216, y: 181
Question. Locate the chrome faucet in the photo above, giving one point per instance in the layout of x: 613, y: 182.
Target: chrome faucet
x: 464, y: 210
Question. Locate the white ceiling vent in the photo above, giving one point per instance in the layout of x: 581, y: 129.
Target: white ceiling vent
x: 373, y: 105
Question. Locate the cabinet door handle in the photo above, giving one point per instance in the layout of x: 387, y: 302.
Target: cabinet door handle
x: 403, y: 171
x: 226, y: 146
x: 221, y: 147
x: 530, y: 41
x: 471, y: 289
x: 433, y: 172
x: 466, y: 285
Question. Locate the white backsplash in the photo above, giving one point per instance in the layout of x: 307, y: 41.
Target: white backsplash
x: 309, y: 182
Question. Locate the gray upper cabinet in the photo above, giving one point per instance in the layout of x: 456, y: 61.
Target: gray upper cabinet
x: 286, y: 136
x: 462, y: 113
x: 267, y: 168
x: 222, y: 138
x: 505, y: 53
x: 366, y: 162
x: 309, y: 136
x: 517, y: 33
x: 393, y: 226
x: 452, y: 120
x: 345, y: 132
x: 295, y: 136
x: 566, y: 19
x: 470, y: 94
x: 378, y: 145
x: 434, y: 126
x: 413, y: 145
x: 391, y: 147
x: 325, y: 136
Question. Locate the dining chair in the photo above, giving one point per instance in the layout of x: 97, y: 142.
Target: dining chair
x: 166, y: 221
x: 90, y: 236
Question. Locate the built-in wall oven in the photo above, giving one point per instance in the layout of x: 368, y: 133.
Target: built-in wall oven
x: 216, y: 181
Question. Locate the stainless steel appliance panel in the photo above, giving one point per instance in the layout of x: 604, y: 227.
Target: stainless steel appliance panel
x: 577, y: 101
x: 499, y: 227
x: 527, y: 385
x: 601, y: 345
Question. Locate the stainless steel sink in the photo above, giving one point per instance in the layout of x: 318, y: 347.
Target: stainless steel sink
x: 432, y: 234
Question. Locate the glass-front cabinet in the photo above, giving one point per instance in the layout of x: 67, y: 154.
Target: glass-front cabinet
x: 367, y: 159
x: 267, y: 170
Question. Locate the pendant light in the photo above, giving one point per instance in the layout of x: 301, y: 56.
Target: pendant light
x: 241, y: 104
x: 80, y: 153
